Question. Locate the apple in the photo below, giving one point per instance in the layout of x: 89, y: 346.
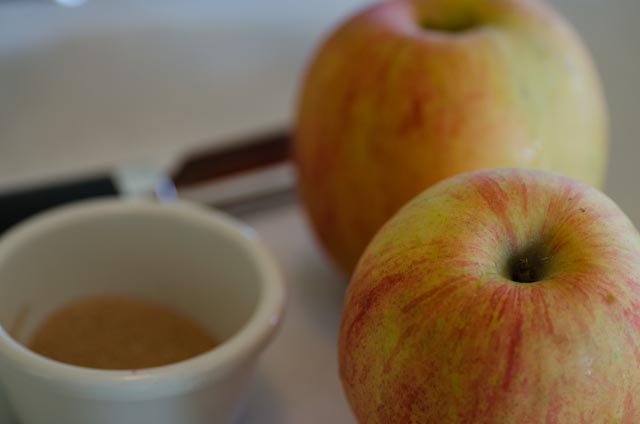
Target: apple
x: 407, y: 93
x: 497, y: 296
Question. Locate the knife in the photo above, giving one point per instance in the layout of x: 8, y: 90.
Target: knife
x: 248, y: 168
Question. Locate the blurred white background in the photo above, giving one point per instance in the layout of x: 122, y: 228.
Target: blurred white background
x: 125, y: 80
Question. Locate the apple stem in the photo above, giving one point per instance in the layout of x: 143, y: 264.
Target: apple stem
x: 524, y: 273
x: 528, y: 267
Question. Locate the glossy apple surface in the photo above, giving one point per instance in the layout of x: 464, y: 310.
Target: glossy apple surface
x: 501, y: 296
x: 407, y: 93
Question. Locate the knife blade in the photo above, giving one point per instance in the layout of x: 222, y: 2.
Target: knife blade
x: 246, y: 168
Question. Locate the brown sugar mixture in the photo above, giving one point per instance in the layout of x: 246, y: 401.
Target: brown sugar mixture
x: 113, y: 332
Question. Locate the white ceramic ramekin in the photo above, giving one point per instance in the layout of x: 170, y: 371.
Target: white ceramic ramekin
x: 201, y: 262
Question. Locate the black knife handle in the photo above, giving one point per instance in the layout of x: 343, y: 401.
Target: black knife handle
x: 18, y: 205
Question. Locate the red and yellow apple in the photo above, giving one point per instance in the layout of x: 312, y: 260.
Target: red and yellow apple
x: 407, y: 93
x: 497, y: 296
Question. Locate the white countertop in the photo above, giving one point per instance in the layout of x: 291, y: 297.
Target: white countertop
x: 92, y: 87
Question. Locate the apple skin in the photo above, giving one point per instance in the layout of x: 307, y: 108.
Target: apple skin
x: 388, y: 108
x: 434, y: 330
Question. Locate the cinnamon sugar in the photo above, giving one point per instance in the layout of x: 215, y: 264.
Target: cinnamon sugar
x: 114, y: 332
